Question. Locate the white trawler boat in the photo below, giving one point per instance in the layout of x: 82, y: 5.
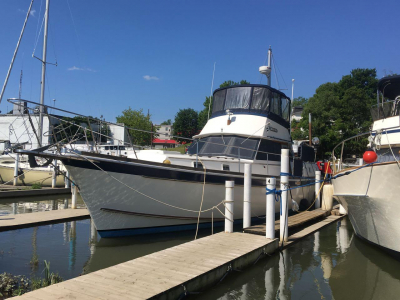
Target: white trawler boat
x: 159, y: 191
x: 370, y: 193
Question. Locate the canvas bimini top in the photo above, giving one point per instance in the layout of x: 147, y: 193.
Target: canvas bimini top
x: 252, y: 99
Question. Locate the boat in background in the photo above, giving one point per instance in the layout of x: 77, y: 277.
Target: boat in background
x: 370, y: 193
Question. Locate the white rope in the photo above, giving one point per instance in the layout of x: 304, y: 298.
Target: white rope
x: 147, y: 196
x: 202, y: 198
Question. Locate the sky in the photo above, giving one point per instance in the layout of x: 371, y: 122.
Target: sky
x: 159, y: 55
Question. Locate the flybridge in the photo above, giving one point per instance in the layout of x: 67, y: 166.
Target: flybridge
x: 254, y: 99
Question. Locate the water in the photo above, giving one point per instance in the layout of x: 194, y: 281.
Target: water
x: 330, y: 264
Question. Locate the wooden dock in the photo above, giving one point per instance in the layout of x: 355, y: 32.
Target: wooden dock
x: 11, y: 222
x: 187, y: 268
x: 22, y: 191
x: 294, y: 221
x: 167, y: 274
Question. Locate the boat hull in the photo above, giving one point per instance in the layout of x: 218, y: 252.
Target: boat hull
x: 127, y: 198
x: 30, y: 176
x: 371, y: 197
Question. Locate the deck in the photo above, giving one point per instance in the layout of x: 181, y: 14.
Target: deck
x: 11, y: 222
x: 167, y: 274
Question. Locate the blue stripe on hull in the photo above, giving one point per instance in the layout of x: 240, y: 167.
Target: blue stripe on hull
x: 163, y: 229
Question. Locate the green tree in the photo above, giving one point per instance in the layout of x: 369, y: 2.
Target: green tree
x: 168, y: 122
x: 299, y: 101
x: 203, y: 115
x: 186, y: 124
x: 138, y: 120
x: 339, y: 111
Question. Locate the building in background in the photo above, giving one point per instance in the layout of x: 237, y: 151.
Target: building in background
x: 296, y: 113
x: 164, y: 139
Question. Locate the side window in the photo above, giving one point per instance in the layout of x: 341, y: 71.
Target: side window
x: 218, y: 101
x: 261, y: 99
x: 269, y: 150
x: 285, y: 108
x: 199, y: 165
x: 276, y: 104
x: 225, y: 167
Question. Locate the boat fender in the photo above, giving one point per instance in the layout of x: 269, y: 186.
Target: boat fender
x: 167, y: 161
x: 370, y: 156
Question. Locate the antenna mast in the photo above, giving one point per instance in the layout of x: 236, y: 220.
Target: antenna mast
x: 266, y: 70
x: 20, y: 86
x: 42, y: 88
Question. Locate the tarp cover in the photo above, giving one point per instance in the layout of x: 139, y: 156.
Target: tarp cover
x: 390, y: 86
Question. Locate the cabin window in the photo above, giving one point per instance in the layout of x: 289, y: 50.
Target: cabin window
x: 225, y: 167
x: 107, y: 148
x: 261, y: 99
x: 269, y: 150
x: 226, y: 146
x: 218, y: 100
x: 122, y: 148
x: 276, y: 104
x: 238, y: 98
x: 285, y: 108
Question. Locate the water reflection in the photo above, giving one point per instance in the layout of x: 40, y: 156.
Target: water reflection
x: 23, y: 205
x: 331, y: 264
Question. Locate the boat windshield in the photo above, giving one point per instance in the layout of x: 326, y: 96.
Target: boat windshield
x: 231, y: 146
x: 260, y: 100
x: 385, y: 110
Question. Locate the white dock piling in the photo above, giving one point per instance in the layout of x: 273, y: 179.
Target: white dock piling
x: 74, y: 195
x: 15, y: 208
x: 54, y: 205
x: 317, y: 188
x: 229, y: 206
x: 54, y: 175
x: 15, y: 182
x: 270, y: 211
x: 66, y: 180
x: 247, y: 196
x: 65, y: 203
x: 283, y: 236
x: 93, y: 232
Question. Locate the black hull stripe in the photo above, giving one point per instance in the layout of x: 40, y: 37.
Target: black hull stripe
x: 132, y: 213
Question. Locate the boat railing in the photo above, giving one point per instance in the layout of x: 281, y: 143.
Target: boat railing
x: 69, y: 131
x: 385, y: 109
x: 337, y: 163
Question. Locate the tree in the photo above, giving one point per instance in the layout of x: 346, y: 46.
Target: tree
x: 186, y: 124
x: 299, y: 101
x: 137, y: 120
x: 341, y: 110
x: 203, y: 115
x: 168, y: 122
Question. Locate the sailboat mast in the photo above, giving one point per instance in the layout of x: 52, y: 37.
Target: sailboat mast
x: 42, y: 83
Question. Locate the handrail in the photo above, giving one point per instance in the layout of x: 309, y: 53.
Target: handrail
x: 18, y: 101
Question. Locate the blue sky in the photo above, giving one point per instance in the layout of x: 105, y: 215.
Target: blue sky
x: 159, y: 55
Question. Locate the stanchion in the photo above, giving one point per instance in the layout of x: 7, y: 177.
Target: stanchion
x: 15, y: 181
x: 54, y: 175
x: 283, y: 236
x: 74, y: 195
x: 317, y: 188
x: 66, y: 180
x: 247, y: 196
x: 270, y: 209
x: 229, y: 206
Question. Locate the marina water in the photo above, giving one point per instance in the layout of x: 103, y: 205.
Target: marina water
x: 330, y: 264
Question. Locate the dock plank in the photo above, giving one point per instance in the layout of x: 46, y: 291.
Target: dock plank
x: 11, y: 222
x: 162, y: 274
x: 293, y: 221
